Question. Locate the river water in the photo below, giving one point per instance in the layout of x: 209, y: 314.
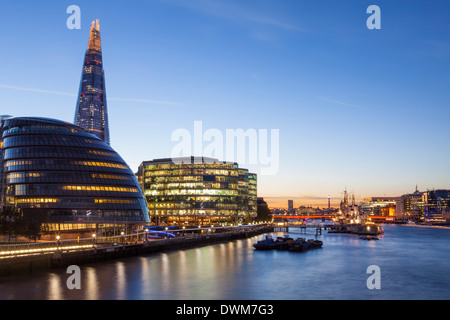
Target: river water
x: 414, y: 263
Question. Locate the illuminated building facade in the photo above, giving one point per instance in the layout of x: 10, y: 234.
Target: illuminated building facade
x: 91, y: 112
x: 379, y: 208
x: 69, y: 178
x: 290, y: 206
x: 2, y: 181
x: 198, y: 191
x: 411, y: 206
x: 436, y: 204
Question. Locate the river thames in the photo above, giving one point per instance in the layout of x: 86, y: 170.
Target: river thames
x: 413, y: 262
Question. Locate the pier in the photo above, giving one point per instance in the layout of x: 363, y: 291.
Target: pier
x: 302, y: 228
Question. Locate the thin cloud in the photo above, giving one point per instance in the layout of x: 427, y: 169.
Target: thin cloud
x: 271, y: 22
x: 68, y: 94
x: 170, y: 103
x: 346, y: 104
x: 59, y: 93
x: 233, y: 13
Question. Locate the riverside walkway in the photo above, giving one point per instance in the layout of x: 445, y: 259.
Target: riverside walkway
x: 20, y: 258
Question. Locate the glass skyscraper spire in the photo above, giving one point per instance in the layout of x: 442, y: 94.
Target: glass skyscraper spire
x: 91, y: 113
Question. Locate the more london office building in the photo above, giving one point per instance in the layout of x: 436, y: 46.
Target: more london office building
x: 198, y: 190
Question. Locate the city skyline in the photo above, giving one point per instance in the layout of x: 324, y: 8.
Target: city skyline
x: 356, y: 108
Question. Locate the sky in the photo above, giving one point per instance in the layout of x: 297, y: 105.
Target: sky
x: 357, y: 109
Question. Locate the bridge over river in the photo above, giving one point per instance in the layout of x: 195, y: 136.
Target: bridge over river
x: 302, y: 228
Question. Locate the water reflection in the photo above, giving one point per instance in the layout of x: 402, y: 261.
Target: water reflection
x: 146, y: 276
x: 55, y: 287
x: 92, y: 286
x: 413, y: 264
x: 121, y: 280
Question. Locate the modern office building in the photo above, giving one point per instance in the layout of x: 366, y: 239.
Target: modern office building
x: 436, y: 205
x: 431, y: 205
x: 290, y: 206
x: 379, y: 208
x: 305, y: 211
x: 68, y: 178
x: 91, y: 112
x: 411, y: 206
x: 200, y: 190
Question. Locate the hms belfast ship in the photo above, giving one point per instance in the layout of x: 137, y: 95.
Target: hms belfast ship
x: 351, y: 221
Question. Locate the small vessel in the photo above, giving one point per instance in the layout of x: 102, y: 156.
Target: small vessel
x: 302, y: 245
x: 338, y: 229
x: 368, y: 237
x: 298, y: 245
x: 267, y: 244
x: 282, y: 243
x: 314, y: 244
x: 287, y: 243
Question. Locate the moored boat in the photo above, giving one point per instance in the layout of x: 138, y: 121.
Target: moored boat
x: 267, y: 244
x: 368, y: 237
x: 298, y: 245
x: 282, y: 243
x: 314, y: 244
x: 368, y: 228
x: 302, y: 245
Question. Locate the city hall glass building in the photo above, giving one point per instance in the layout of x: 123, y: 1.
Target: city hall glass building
x: 67, y: 177
x: 198, y: 190
x: 2, y: 194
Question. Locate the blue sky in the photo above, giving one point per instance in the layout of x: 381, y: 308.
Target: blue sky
x: 361, y: 109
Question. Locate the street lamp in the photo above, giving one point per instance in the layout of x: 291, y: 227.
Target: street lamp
x: 94, y: 237
x: 57, y: 240
x: 123, y: 240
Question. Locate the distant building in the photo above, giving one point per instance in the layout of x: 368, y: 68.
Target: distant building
x: 379, y: 208
x: 436, y: 204
x: 411, y: 206
x: 198, y: 190
x: 400, y: 208
x: 290, y: 206
x: 430, y: 205
x: 304, y: 211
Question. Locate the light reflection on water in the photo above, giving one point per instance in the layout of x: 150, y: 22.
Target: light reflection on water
x: 413, y: 261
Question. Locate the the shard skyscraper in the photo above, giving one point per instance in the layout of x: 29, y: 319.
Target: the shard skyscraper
x: 91, y: 113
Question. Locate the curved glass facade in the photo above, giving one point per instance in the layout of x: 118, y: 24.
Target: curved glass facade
x: 198, y: 189
x: 2, y: 120
x: 68, y: 175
